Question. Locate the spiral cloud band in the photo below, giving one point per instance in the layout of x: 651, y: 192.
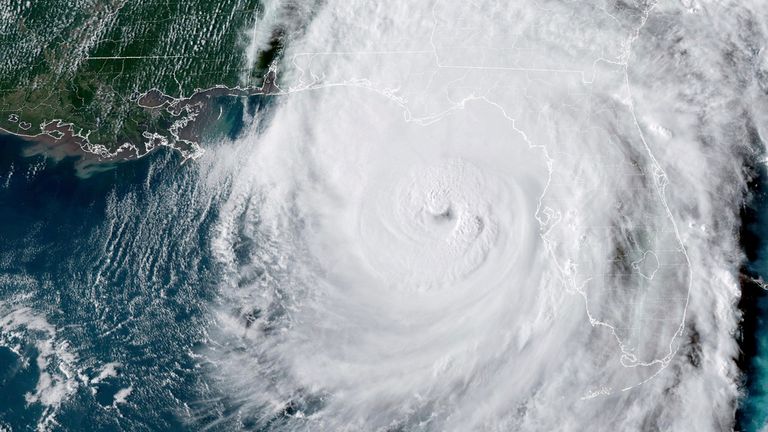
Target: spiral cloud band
x: 491, y: 216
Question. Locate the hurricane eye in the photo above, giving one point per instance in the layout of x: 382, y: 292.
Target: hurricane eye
x: 442, y: 214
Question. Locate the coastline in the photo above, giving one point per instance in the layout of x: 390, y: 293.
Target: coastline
x: 58, y: 139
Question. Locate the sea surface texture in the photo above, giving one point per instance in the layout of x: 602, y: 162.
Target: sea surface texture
x: 402, y: 216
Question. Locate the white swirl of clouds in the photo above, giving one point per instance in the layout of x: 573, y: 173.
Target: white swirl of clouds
x: 491, y: 216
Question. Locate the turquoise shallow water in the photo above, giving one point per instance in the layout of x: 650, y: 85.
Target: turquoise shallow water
x: 753, y: 411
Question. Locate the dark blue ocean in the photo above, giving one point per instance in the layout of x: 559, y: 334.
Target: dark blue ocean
x: 104, y: 284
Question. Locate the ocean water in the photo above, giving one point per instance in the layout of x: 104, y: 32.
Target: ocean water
x: 103, y: 283
x: 753, y: 411
x: 68, y: 260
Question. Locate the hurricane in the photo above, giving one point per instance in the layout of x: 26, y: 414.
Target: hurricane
x: 492, y: 216
x: 436, y: 216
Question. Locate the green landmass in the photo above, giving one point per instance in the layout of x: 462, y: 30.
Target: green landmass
x: 86, y: 63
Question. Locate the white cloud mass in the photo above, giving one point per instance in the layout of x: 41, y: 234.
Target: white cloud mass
x: 493, y: 216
